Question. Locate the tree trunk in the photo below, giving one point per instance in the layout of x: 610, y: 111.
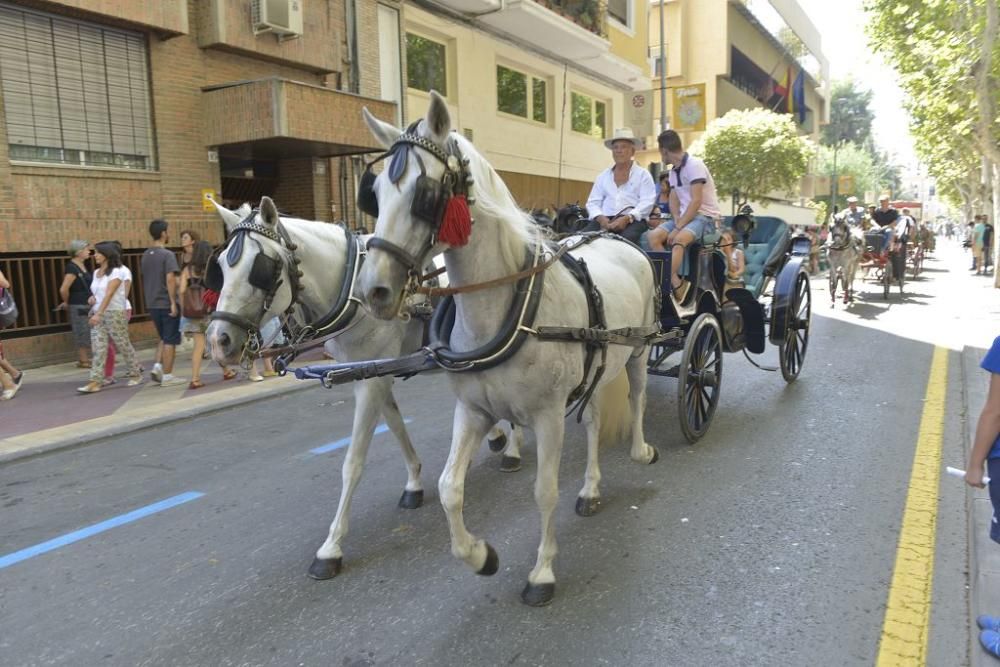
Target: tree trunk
x: 995, y: 220
x: 985, y: 93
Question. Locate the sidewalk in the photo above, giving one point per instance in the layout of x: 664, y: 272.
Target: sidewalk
x: 47, y: 413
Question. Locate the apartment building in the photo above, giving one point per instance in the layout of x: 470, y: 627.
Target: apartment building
x: 114, y: 113
x: 537, y: 85
x: 721, y: 55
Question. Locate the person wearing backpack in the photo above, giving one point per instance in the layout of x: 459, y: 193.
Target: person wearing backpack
x: 195, y: 309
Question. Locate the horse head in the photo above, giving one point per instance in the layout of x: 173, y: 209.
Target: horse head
x: 253, y: 268
x: 424, y: 176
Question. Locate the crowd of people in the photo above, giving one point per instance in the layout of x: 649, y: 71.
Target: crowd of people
x: 95, y: 294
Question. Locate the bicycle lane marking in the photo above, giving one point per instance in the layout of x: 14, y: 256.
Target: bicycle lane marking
x: 907, y: 615
x: 97, y: 528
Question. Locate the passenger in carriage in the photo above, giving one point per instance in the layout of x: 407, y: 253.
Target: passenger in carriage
x: 623, y: 195
x: 693, y: 203
x: 886, y: 217
x: 854, y: 215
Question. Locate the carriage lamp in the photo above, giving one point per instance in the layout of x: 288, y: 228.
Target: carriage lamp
x: 743, y: 223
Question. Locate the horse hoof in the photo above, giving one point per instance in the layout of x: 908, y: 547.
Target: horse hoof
x: 587, y: 506
x: 411, y: 500
x: 325, y: 568
x: 538, y: 595
x: 492, y: 563
x: 656, y: 456
x: 497, y: 444
x: 510, y: 464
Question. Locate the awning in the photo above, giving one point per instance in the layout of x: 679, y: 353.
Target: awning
x: 279, y: 118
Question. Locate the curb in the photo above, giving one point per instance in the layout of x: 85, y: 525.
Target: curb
x: 27, y: 445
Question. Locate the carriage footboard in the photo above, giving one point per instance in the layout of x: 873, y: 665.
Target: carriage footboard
x: 354, y: 371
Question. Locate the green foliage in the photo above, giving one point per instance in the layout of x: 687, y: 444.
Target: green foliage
x: 851, y: 115
x: 754, y: 153
x: 952, y: 90
x: 854, y: 161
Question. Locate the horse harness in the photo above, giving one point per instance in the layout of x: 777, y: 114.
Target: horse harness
x: 265, y: 275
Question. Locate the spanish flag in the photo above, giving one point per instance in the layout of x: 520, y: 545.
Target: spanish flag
x: 781, y: 87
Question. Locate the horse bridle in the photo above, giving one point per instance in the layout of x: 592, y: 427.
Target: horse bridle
x: 847, y: 236
x: 430, y: 198
x: 265, y: 274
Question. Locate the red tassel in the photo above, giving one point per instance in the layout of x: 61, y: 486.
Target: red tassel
x: 456, y: 226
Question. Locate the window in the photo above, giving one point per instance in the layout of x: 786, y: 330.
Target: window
x: 74, y: 92
x: 514, y: 96
x: 589, y: 116
x: 426, y: 64
x: 619, y: 11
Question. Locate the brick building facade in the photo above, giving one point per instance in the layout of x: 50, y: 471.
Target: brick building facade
x: 226, y: 110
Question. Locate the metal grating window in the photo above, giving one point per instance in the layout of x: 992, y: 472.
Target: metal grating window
x: 74, y: 92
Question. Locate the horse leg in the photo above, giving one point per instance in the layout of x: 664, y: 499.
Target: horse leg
x: 413, y: 492
x: 511, y: 460
x: 496, y: 439
x: 469, y: 428
x: 589, y: 499
x: 368, y: 402
x: 549, y: 432
x: 642, y: 452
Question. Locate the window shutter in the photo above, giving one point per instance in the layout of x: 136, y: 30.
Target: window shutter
x: 73, y: 91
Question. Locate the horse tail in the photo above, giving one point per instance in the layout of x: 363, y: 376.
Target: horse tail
x: 614, y: 410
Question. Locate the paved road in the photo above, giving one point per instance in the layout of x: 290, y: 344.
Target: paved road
x: 772, y: 542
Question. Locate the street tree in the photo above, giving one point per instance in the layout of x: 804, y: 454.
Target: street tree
x: 854, y: 161
x: 851, y: 115
x: 948, y: 57
x: 754, y: 154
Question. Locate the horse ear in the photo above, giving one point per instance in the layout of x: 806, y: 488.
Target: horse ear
x: 268, y: 211
x: 385, y: 133
x: 230, y: 218
x: 438, y: 120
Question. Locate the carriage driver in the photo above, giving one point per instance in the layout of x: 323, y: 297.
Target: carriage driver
x: 886, y: 217
x: 623, y: 195
x: 854, y: 215
x: 693, y: 203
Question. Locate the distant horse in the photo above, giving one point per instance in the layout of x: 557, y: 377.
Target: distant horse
x: 501, y: 366
x: 844, y: 250
x: 258, y: 285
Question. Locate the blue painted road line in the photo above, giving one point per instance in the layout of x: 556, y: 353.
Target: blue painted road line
x: 344, y: 442
x: 97, y: 528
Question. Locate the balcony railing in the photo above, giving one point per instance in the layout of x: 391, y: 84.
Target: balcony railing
x: 589, y: 14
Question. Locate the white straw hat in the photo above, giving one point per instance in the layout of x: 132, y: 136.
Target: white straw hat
x: 623, y: 134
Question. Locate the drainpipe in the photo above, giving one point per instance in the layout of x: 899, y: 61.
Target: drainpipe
x: 351, y: 18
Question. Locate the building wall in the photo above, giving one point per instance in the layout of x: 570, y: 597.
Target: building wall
x: 513, y: 144
x: 628, y: 42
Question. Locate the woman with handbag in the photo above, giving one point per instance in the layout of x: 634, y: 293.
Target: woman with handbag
x: 75, y: 292
x: 195, y: 309
x: 108, y: 320
x: 10, y: 377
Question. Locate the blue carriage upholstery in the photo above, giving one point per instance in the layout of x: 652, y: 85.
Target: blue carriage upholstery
x: 768, y: 242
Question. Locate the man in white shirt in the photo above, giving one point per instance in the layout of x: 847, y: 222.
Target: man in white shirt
x: 623, y: 195
x: 693, y: 203
x: 853, y: 214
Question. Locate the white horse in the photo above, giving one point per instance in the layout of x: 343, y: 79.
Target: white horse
x: 321, y: 250
x: 844, y: 249
x: 531, y: 387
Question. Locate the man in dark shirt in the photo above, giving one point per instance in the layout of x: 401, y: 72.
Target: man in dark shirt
x: 987, y: 243
x: 885, y: 217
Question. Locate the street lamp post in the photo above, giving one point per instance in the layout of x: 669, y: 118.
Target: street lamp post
x: 833, y: 180
x: 663, y: 72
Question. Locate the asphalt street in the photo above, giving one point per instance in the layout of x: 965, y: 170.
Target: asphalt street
x: 770, y: 542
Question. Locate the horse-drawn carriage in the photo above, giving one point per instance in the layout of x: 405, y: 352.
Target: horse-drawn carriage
x: 526, y: 326
x: 775, y: 304
x: 882, y: 267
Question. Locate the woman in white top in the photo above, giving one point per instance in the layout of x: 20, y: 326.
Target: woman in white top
x: 108, y: 320
x: 735, y: 261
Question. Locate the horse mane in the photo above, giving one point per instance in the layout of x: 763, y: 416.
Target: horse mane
x: 494, y: 200
x: 314, y: 230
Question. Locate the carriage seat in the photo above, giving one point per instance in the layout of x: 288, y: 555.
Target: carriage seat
x: 768, y: 242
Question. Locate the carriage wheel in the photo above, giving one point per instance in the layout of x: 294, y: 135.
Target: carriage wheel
x: 700, y: 376
x: 792, y: 351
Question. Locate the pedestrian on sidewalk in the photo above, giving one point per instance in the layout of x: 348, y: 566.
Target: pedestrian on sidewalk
x: 75, y: 294
x: 108, y: 319
x: 987, y: 243
x: 189, y: 238
x: 109, y: 365
x: 978, y: 234
x: 986, y: 450
x: 191, y: 292
x: 10, y: 377
x: 159, y: 283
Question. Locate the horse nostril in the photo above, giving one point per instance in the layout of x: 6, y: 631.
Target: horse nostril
x: 380, y: 295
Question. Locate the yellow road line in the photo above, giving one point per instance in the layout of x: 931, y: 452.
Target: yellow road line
x: 907, y: 615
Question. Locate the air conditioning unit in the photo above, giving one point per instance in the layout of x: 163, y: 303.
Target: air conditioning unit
x: 282, y: 17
